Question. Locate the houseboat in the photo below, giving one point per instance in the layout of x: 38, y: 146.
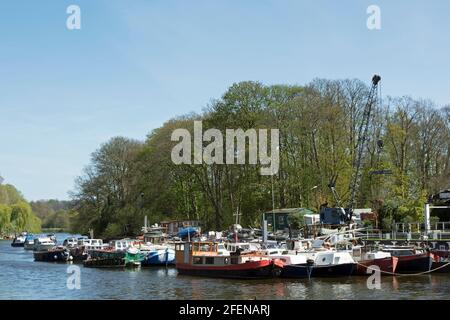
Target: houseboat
x: 202, y: 259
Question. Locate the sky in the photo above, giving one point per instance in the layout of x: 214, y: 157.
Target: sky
x: 134, y: 65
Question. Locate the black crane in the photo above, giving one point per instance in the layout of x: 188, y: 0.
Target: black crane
x: 330, y: 214
x: 361, y: 146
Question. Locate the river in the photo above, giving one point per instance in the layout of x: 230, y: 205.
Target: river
x: 23, y: 278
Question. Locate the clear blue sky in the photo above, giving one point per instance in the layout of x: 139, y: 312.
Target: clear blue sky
x: 135, y: 64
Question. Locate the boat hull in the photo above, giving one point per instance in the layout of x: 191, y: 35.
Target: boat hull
x: 337, y: 270
x: 17, y: 244
x: 440, y: 267
x: 249, y: 270
x: 60, y: 255
x: 104, y: 263
x: 386, y: 265
x: 159, y: 258
x: 414, y: 263
x: 297, y: 271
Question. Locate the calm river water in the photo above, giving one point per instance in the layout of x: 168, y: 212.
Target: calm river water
x: 22, y: 278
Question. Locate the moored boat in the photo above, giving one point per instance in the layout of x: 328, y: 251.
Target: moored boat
x: 19, y: 241
x: 157, y: 255
x: 410, y: 260
x: 42, y: 244
x: 105, y: 259
x: 52, y: 255
x: 29, y: 242
x: 386, y: 263
x: 202, y: 259
x: 133, y: 257
x: 332, y: 264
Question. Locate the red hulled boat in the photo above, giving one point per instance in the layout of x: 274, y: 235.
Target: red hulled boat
x: 383, y: 260
x: 203, y: 259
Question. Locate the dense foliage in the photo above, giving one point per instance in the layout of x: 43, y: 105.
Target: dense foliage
x: 54, y: 214
x: 318, y: 123
x: 15, y: 213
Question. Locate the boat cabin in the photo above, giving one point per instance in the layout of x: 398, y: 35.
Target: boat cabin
x: 332, y: 257
x: 91, y: 244
x: 70, y: 242
x: 121, y: 245
x: 241, y: 246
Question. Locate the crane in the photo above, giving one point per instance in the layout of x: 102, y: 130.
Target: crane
x: 333, y: 215
x: 363, y: 129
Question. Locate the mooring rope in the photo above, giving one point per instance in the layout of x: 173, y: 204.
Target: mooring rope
x: 404, y: 274
x: 385, y: 272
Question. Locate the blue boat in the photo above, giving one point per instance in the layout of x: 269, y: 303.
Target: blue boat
x: 158, y: 256
x: 187, y: 232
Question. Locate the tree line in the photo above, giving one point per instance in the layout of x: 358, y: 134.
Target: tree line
x: 16, y: 214
x: 129, y: 179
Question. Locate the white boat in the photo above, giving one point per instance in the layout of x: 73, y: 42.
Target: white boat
x: 42, y: 244
x: 91, y: 244
x: 29, y: 243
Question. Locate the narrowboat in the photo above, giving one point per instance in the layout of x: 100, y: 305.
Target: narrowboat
x: 202, y: 259
x: 52, y: 255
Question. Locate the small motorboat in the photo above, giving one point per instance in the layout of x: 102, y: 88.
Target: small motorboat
x: 19, y: 241
x: 29, y: 242
x: 42, y: 244
x: 157, y: 255
x: 133, y: 257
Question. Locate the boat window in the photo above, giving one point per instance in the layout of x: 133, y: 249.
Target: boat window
x: 226, y: 261
x: 209, y: 260
x: 197, y: 260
